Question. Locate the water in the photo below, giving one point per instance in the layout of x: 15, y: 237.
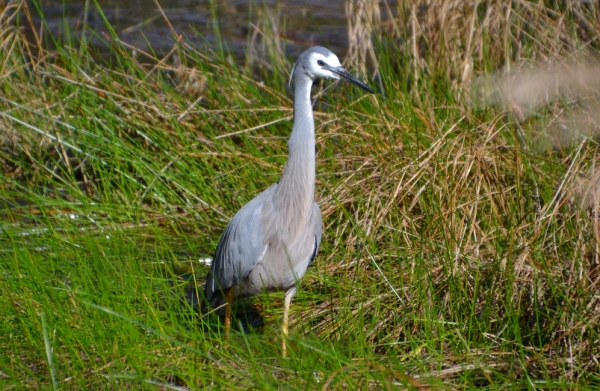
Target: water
x: 141, y: 24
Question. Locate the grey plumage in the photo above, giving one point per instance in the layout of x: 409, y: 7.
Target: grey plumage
x: 271, y: 241
x: 256, y: 253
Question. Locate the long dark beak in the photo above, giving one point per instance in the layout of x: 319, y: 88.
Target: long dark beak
x: 344, y: 74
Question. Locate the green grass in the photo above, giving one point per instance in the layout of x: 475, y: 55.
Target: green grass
x: 452, y: 256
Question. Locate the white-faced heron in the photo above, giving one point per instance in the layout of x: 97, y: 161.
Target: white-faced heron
x: 271, y: 241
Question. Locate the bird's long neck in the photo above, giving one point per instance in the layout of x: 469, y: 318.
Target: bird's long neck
x: 296, y: 190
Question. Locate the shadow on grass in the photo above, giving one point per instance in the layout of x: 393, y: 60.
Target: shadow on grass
x: 247, y: 313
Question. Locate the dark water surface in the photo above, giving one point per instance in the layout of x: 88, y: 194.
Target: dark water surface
x: 140, y: 23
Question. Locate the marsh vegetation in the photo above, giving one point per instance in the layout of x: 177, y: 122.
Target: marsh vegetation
x: 461, y: 239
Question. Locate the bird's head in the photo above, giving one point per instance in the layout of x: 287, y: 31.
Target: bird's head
x: 320, y: 63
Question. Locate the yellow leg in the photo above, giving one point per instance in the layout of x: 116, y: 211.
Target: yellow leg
x: 229, y: 297
x: 286, y: 311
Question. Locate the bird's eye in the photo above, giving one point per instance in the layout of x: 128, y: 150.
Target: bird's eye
x: 320, y: 63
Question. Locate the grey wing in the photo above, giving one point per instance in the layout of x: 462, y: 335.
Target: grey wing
x: 317, y: 222
x: 239, y: 249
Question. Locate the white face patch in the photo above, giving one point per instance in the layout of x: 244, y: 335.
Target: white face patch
x: 316, y: 63
x: 331, y: 60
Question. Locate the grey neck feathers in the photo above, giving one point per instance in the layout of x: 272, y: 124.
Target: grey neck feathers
x: 296, y: 190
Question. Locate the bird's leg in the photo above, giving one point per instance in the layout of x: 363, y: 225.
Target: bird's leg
x: 289, y: 294
x: 229, y: 297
